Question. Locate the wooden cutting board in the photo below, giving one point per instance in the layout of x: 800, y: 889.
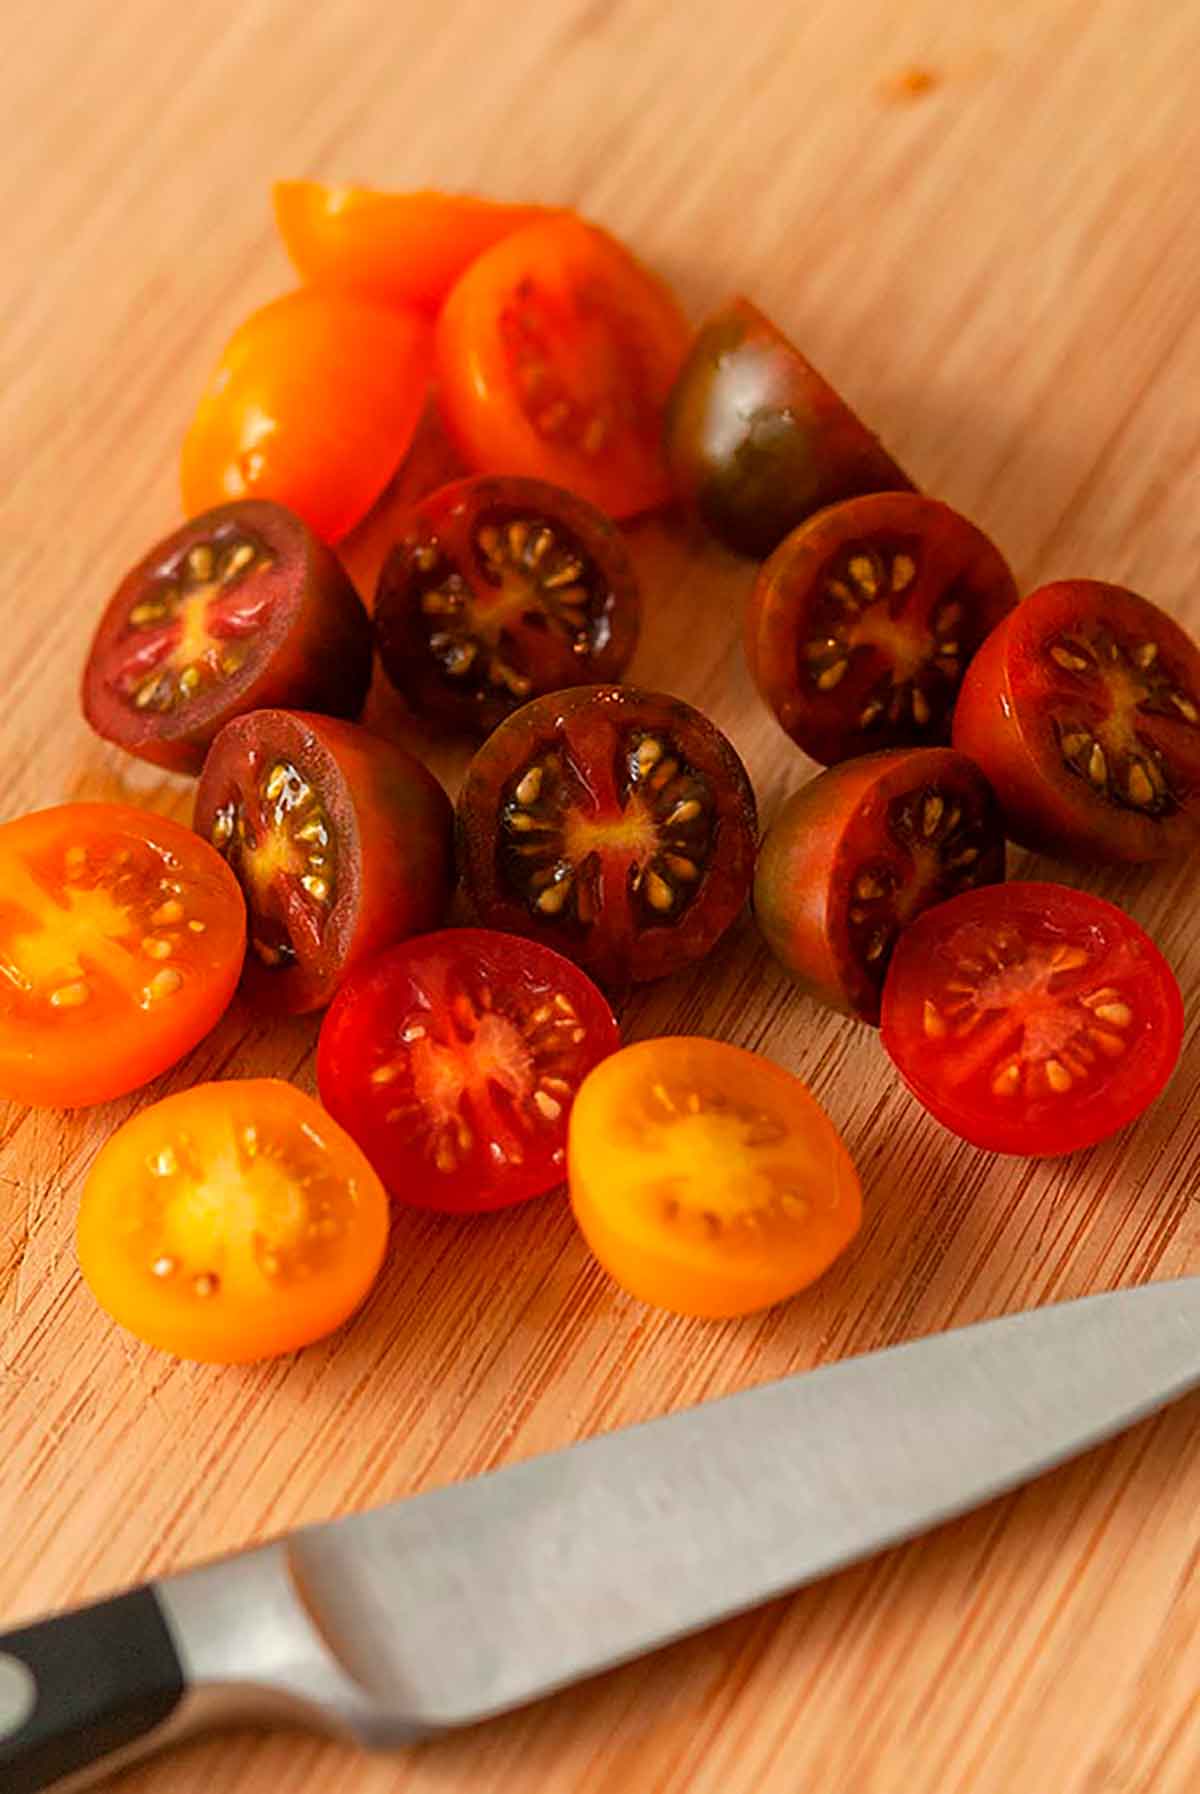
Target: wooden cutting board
x: 981, y: 222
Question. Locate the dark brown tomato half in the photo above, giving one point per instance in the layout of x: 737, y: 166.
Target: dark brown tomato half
x: 1083, y: 710
x: 341, y: 841
x: 616, y: 825
x: 860, y: 624
x: 855, y: 854
x: 757, y: 440
x: 241, y: 609
x: 501, y: 589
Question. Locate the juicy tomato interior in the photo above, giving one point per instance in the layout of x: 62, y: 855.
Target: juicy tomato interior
x: 454, y: 1059
x: 314, y: 403
x: 556, y: 352
x: 121, y: 939
x: 1031, y: 1018
x: 706, y: 1179
x: 862, y: 621
x: 501, y: 589
x: 231, y: 1222
x: 395, y: 248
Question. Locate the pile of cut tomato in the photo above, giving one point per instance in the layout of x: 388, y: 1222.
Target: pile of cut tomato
x: 605, y: 835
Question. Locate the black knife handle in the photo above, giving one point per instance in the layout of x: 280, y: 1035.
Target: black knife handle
x: 82, y: 1687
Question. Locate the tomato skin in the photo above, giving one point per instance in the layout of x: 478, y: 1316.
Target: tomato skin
x: 390, y: 866
x: 555, y: 354
x: 1008, y: 720
x: 312, y: 651
x: 122, y: 1032
x: 396, y: 249
x: 821, y: 884
x: 314, y: 403
x: 177, y: 1223
x: 668, y: 1134
x: 515, y: 1151
x: 757, y: 440
x: 1114, y: 1052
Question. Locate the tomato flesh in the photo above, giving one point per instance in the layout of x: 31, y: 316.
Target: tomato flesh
x: 231, y: 1222
x: 121, y: 939
x: 555, y: 355
x: 454, y: 1059
x: 858, y: 852
x: 616, y: 825
x: 499, y: 590
x: 707, y: 1180
x: 1084, y: 711
x: 861, y: 623
x: 314, y: 403
x: 1031, y: 1018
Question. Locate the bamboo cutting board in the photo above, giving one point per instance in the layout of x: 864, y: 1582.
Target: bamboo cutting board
x: 980, y: 221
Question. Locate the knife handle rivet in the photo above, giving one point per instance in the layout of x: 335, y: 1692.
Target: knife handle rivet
x: 18, y: 1694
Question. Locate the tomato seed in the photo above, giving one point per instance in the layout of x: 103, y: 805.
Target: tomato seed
x: 1058, y: 1077
x: 70, y: 996
x: 920, y: 707
x: 200, y: 561
x: 1097, y: 766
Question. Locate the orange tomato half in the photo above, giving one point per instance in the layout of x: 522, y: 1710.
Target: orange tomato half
x: 395, y: 248
x: 231, y: 1222
x: 313, y: 403
x: 708, y: 1180
x: 555, y: 355
x: 122, y: 935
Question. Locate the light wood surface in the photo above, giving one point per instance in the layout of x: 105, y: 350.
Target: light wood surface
x: 1001, y: 267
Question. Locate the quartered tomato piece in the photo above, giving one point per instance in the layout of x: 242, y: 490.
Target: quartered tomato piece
x: 859, y: 851
x: 231, y: 1222
x: 1031, y: 1018
x: 758, y: 441
x: 341, y: 841
x: 313, y: 403
x: 860, y: 624
x: 240, y: 609
x: 615, y: 825
x: 395, y: 248
x: 706, y: 1179
x: 499, y: 590
x: 453, y: 1060
x: 556, y: 352
x: 121, y: 941
x: 1083, y: 710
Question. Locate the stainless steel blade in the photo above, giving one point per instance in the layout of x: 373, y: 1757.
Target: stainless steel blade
x: 460, y: 1603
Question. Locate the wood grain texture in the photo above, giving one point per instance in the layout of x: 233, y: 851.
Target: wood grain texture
x: 1002, y: 271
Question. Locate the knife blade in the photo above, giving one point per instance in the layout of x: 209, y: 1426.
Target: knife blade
x: 458, y: 1604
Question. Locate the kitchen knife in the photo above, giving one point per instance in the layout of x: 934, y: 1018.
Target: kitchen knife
x: 443, y: 1609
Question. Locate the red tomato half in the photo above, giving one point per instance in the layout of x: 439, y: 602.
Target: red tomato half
x: 1031, y: 1018
x: 454, y: 1059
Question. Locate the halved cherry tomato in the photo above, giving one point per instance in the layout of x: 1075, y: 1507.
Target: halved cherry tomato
x: 860, y: 624
x: 499, y: 590
x: 758, y: 441
x: 314, y: 402
x: 706, y: 1179
x: 556, y: 351
x: 240, y: 609
x: 394, y: 248
x: 859, y: 851
x: 453, y: 1060
x: 231, y: 1222
x: 1031, y: 1018
x: 121, y: 941
x: 1083, y: 709
x: 616, y: 825
x: 342, y: 842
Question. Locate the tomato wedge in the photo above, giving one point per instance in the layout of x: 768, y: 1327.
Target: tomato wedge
x: 1031, y: 1018
x: 314, y: 403
x: 231, y: 1222
x: 394, y: 248
x: 555, y: 354
x: 121, y: 941
x: 706, y: 1179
